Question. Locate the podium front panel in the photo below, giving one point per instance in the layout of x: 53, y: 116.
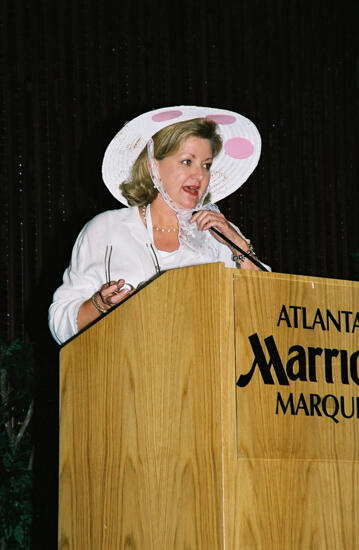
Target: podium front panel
x: 295, y: 457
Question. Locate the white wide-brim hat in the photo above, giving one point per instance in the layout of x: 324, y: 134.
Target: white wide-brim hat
x: 230, y: 169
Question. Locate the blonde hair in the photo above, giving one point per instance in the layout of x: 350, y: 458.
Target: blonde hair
x: 139, y: 189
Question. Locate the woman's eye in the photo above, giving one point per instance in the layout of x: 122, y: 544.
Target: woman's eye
x: 187, y: 162
x: 208, y: 166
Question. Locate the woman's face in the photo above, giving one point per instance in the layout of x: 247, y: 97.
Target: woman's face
x: 185, y: 174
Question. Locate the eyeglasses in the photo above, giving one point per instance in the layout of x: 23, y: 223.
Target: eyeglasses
x: 108, y: 255
x: 129, y: 286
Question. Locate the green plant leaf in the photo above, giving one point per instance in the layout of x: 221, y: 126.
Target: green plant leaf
x: 19, y: 534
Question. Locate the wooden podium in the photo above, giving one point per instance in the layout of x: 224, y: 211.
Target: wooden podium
x: 214, y: 409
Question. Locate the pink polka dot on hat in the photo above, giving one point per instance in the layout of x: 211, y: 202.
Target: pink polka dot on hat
x: 230, y: 169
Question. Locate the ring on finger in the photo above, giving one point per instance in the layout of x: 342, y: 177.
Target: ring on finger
x: 127, y: 286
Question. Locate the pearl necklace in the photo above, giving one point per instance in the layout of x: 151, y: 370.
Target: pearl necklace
x: 157, y: 227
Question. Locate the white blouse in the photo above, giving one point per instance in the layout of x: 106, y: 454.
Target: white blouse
x: 134, y: 258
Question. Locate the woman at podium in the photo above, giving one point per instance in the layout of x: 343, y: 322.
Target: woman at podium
x: 168, y: 167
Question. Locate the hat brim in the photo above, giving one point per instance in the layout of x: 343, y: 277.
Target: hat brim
x: 230, y: 169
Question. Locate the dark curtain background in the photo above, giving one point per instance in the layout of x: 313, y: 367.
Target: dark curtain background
x: 73, y: 72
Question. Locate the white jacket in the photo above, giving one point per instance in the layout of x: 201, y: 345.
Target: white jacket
x: 133, y: 258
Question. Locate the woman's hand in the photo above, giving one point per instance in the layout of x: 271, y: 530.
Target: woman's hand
x: 109, y: 295
x: 206, y: 219
x: 113, y: 293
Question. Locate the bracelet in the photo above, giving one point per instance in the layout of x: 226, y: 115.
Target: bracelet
x: 95, y: 302
x: 250, y: 250
x: 238, y: 257
x: 241, y: 257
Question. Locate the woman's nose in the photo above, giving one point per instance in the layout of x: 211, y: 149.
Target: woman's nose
x: 196, y: 173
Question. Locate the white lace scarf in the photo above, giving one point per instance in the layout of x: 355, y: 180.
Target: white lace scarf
x: 199, y: 241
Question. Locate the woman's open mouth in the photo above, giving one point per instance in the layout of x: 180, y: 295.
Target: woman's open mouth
x: 191, y: 189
